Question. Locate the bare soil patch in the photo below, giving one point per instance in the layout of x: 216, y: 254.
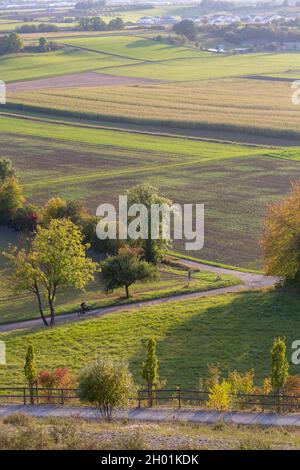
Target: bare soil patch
x: 85, y: 79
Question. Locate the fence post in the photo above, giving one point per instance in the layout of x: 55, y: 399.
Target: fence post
x: 62, y: 397
x: 24, y: 395
x: 179, y: 398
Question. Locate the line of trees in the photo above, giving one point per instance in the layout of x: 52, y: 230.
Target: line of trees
x: 37, y: 28
x: 238, y: 33
x: 95, y: 23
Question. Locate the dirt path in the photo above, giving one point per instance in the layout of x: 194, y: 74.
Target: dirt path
x: 159, y: 415
x: 248, y: 281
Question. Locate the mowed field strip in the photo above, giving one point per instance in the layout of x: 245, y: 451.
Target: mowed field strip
x: 240, y: 104
x: 235, y: 182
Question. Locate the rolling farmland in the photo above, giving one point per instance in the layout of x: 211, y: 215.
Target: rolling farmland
x: 246, y: 105
x: 111, y: 110
x: 90, y: 164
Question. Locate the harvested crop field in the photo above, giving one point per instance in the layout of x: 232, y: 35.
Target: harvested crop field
x: 79, y: 80
x: 253, y: 106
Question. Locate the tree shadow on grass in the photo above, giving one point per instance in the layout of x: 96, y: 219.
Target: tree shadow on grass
x: 234, y: 331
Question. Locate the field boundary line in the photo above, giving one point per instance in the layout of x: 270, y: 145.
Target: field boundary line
x: 112, y: 54
x: 21, y: 115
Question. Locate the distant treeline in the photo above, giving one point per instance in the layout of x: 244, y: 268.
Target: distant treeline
x: 87, y: 4
x: 95, y: 23
x: 37, y: 28
x: 237, y: 34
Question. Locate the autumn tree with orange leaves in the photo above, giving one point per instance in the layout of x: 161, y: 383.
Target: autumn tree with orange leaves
x: 281, y: 239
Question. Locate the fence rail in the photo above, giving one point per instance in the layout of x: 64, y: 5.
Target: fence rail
x: 177, y: 397
x: 199, y: 398
x: 37, y: 395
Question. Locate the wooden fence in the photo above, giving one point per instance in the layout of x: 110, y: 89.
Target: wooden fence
x: 177, y: 397
x: 37, y: 395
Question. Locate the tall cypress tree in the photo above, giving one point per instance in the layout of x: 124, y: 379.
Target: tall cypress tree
x: 279, y: 367
x: 30, y: 370
x: 150, y: 368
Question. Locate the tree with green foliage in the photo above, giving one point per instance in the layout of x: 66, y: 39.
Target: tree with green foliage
x: 107, y: 384
x: 116, y: 24
x: 11, y: 199
x: 125, y: 269
x: 279, y: 367
x: 7, y: 169
x: 56, y: 261
x: 30, y: 370
x: 151, y: 368
x: 10, y: 43
x: 43, y: 44
x: 148, y: 195
x: 186, y: 28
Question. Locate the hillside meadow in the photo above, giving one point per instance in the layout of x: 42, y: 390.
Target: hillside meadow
x: 235, y: 331
x: 171, y: 281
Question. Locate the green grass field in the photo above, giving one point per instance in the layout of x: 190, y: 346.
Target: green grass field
x: 172, y: 62
x: 212, y: 66
x: 69, y: 60
x: 235, y: 182
x: 11, y: 26
x: 235, y: 331
x: 136, y: 48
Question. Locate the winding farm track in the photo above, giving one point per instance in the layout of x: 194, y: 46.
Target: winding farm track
x: 248, y: 281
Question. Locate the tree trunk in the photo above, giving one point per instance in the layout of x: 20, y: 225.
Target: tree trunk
x: 41, y: 308
x: 52, y: 312
x: 31, y: 395
x: 38, y: 296
x: 127, y: 292
x: 150, y: 395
